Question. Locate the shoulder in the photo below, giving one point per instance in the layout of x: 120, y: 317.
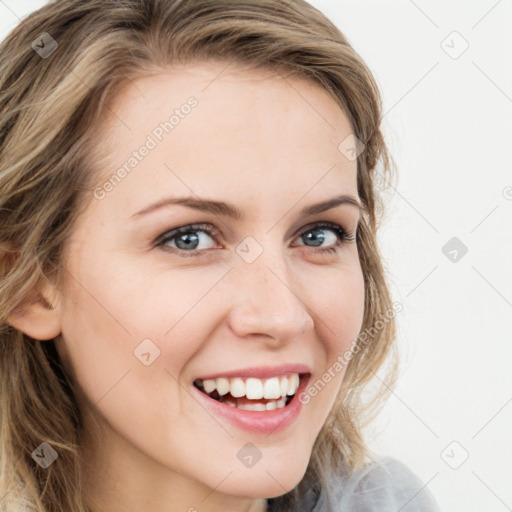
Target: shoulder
x: 385, y: 485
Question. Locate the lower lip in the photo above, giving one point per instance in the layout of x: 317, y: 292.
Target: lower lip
x: 260, y: 422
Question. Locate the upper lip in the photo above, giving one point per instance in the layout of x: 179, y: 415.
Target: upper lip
x: 260, y: 371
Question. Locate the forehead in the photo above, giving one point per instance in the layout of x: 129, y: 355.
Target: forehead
x: 259, y: 127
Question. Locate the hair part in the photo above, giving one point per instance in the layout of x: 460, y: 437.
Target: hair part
x: 50, y: 111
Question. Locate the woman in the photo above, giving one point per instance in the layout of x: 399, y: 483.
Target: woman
x: 192, y: 294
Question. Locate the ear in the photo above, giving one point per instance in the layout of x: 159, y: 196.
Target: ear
x: 39, y: 315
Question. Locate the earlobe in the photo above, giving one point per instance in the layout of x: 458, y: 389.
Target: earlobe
x: 39, y: 316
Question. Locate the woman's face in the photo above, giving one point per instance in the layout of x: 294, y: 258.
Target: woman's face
x: 145, y: 311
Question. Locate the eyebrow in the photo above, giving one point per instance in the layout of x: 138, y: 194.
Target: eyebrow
x: 229, y: 210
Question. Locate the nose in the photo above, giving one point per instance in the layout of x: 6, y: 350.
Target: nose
x: 266, y: 303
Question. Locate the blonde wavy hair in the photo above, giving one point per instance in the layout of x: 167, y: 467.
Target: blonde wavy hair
x: 50, y: 109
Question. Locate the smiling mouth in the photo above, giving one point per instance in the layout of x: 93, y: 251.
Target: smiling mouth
x: 252, y: 394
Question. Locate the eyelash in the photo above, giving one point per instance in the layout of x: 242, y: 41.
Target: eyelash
x: 343, y: 236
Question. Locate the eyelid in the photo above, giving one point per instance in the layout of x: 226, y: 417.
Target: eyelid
x: 210, y: 229
x: 335, y: 226
x: 343, y: 236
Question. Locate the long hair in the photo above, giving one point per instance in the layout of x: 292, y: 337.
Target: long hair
x: 50, y: 107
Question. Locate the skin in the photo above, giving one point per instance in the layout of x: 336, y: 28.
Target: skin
x: 265, y: 144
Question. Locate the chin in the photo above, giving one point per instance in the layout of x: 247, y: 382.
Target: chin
x: 265, y: 482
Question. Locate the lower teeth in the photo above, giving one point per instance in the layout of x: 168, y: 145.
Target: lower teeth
x: 257, y: 406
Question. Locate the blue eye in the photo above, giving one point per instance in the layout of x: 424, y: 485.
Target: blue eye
x: 185, y: 240
x: 187, y: 237
x: 342, y: 236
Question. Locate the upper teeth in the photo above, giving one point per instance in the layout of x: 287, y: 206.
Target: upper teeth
x: 253, y: 388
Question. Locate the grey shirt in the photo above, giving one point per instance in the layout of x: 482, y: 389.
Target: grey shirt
x: 386, y: 485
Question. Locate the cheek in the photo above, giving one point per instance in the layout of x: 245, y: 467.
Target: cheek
x: 112, y: 308
x: 340, y: 308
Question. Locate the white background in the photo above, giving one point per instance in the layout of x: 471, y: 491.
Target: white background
x: 448, y: 123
